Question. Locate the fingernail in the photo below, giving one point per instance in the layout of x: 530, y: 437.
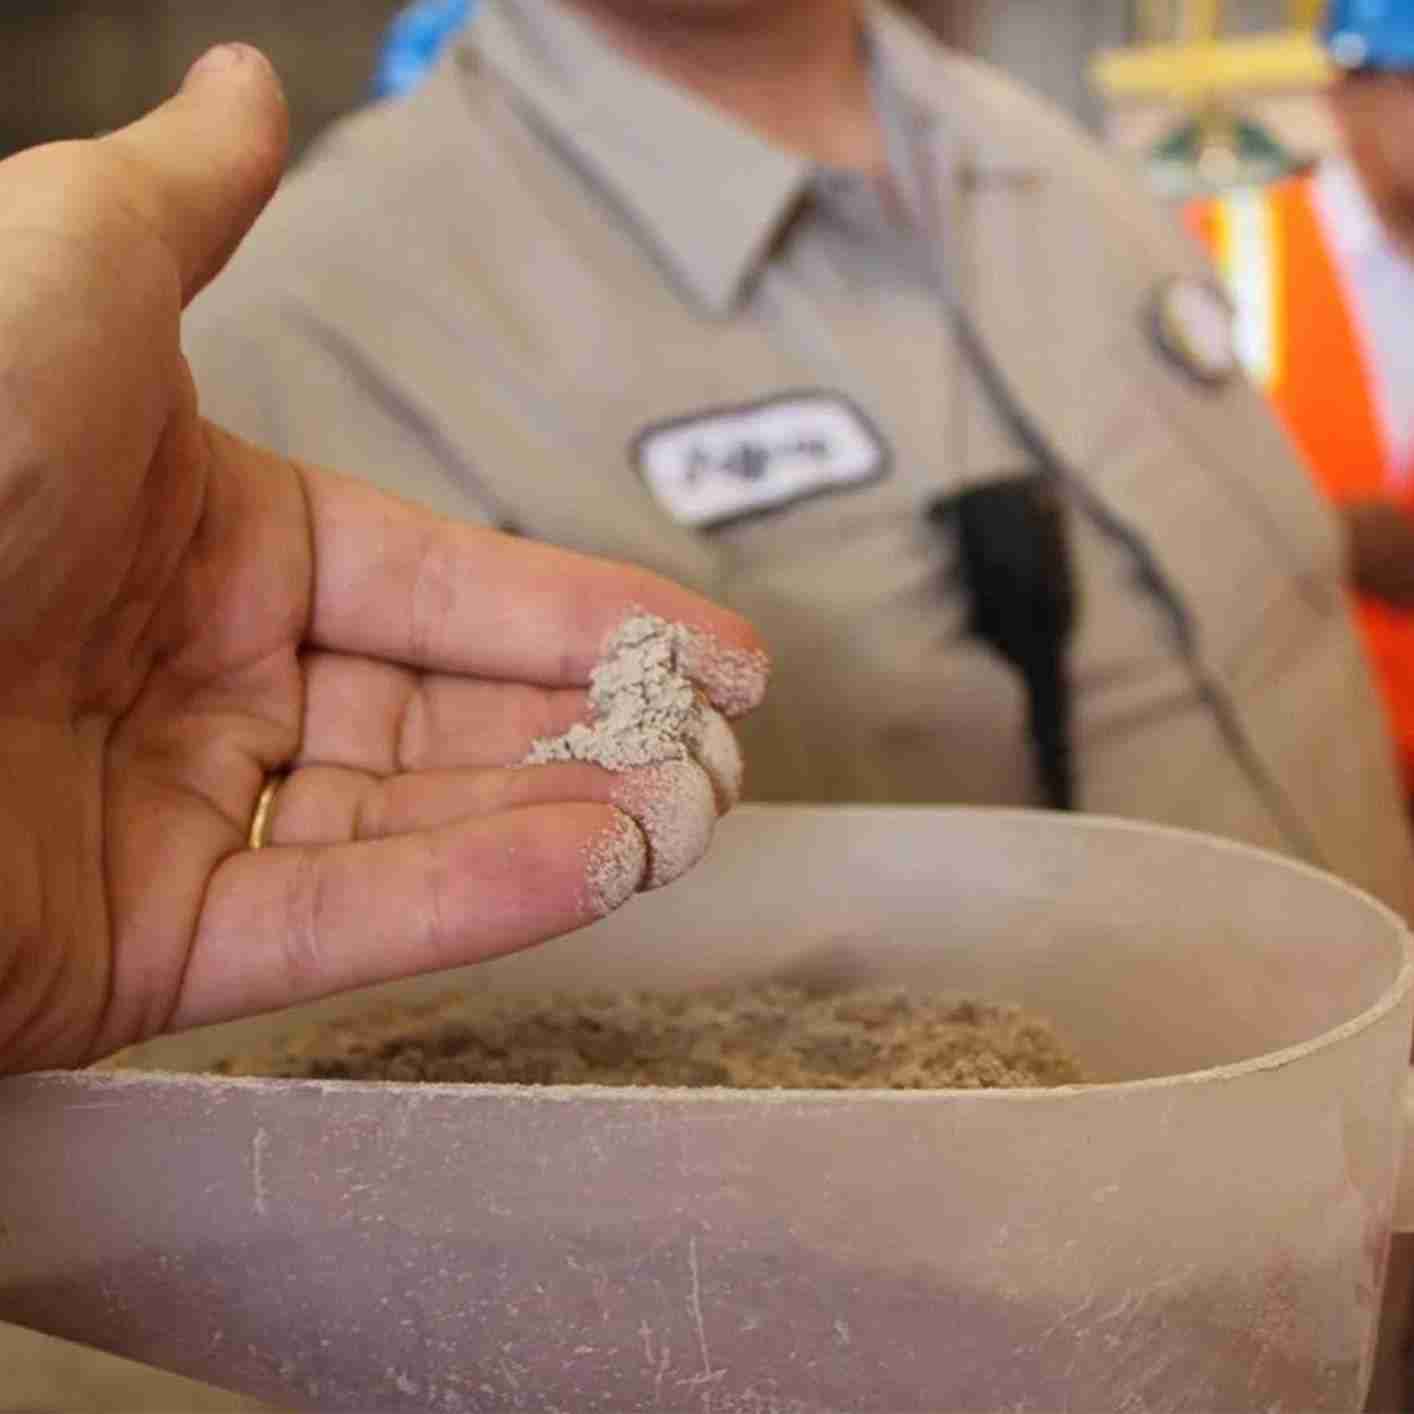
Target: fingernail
x: 675, y: 806
x: 216, y: 61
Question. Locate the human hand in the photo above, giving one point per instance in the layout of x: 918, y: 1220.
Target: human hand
x: 182, y: 615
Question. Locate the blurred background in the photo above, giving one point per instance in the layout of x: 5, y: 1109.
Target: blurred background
x: 74, y: 67
x: 1201, y: 95
x: 70, y: 68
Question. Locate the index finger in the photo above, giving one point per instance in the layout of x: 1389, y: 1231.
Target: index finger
x: 395, y: 581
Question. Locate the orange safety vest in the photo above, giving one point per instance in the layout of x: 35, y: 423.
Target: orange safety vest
x: 1297, y: 337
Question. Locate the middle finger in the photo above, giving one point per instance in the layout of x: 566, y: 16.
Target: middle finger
x: 378, y: 717
x: 382, y: 719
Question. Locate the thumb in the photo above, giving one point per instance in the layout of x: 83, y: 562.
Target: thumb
x: 204, y: 164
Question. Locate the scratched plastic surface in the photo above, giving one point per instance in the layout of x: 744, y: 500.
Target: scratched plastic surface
x: 1206, y: 1230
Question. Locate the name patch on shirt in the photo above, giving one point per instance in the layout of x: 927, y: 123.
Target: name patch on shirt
x: 720, y: 465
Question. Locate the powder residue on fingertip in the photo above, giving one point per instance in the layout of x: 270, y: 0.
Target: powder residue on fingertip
x: 675, y: 806
x: 734, y: 679
x: 719, y: 753
x: 615, y: 865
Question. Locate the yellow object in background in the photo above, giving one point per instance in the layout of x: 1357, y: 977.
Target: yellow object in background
x: 1182, y: 53
x: 1183, y: 57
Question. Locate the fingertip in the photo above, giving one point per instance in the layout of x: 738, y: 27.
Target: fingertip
x: 675, y: 806
x: 719, y: 754
x: 616, y: 864
x: 240, y: 73
x: 733, y: 676
x: 225, y: 60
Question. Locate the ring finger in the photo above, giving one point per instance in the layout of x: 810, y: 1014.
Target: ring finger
x: 673, y: 803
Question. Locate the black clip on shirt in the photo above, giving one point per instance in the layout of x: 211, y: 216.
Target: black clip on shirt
x: 1022, y: 602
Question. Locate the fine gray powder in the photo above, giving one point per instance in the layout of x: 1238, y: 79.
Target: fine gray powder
x: 650, y: 720
x: 645, y: 709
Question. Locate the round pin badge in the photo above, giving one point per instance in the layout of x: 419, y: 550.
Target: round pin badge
x: 1192, y: 325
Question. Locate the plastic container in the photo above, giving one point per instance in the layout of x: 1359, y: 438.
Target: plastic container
x: 1206, y: 1229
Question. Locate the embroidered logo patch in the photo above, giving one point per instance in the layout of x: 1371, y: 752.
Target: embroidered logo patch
x: 725, y: 463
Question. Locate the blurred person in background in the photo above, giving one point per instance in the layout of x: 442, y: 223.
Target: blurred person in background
x: 1321, y: 271
x: 784, y: 299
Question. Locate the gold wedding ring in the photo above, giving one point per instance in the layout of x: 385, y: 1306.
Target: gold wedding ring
x: 260, y: 824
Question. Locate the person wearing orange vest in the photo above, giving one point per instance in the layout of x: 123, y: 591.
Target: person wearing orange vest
x: 1321, y: 272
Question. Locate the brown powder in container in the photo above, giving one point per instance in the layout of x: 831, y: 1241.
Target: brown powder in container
x: 770, y: 1036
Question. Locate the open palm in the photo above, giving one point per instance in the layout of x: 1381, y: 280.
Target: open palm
x: 181, y: 615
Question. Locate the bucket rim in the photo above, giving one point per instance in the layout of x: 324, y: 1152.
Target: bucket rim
x: 1395, y: 994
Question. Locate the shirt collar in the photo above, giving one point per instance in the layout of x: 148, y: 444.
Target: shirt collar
x: 1352, y: 224
x: 708, y: 193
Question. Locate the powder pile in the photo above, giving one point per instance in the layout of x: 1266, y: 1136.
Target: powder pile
x: 648, y: 717
x: 769, y: 1036
x: 645, y: 709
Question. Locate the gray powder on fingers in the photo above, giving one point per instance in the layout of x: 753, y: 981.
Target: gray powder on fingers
x: 720, y: 756
x: 649, y: 719
x: 733, y: 678
x: 676, y: 808
x: 615, y: 865
x: 645, y: 709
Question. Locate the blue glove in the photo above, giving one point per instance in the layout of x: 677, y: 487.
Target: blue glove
x: 415, y: 42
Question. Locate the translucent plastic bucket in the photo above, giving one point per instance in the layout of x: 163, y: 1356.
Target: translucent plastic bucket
x: 1205, y: 1229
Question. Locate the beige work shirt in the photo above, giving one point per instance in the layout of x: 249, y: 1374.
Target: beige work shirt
x: 487, y: 297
